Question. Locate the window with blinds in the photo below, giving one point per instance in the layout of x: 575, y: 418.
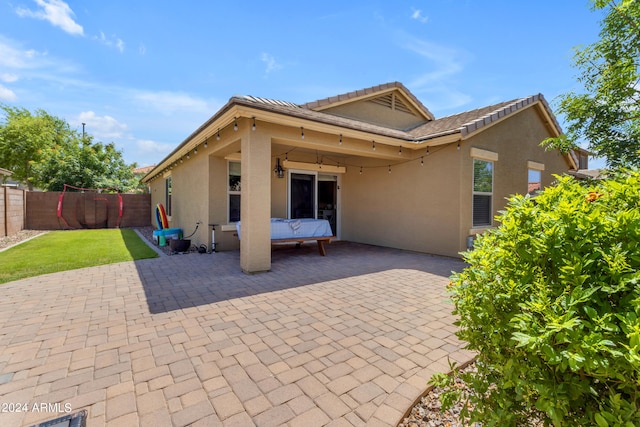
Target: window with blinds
x: 482, y: 192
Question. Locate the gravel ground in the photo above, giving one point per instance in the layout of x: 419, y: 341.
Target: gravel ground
x: 427, y: 412
x: 20, y: 236
x: 147, y: 232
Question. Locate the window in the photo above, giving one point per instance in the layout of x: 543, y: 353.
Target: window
x: 534, y: 177
x: 583, y: 161
x: 168, y: 185
x: 482, y: 192
x: 234, y: 191
x: 535, y: 182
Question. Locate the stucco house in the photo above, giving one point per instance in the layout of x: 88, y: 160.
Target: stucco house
x: 375, y: 162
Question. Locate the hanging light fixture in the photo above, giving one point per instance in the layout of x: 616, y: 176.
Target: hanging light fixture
x: 301, y: 132
x: 235, y: 124
x: 389, y: 168
x: 373, y: 145
x: 218, y: 135
x: 206, y: 144
x: 400, y: 151
x: 195, y: 150
x: 340, y: 139
x: 253, y: 127
x: 278, y: 170
x: 422, y: 161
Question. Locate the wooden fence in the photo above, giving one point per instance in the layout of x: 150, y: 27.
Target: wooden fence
x: 86, y: 210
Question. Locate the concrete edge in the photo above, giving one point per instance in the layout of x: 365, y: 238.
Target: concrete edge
x: 22, y: 241
x: 144, y: 239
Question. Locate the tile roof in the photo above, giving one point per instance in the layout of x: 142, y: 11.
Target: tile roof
x: 365, y: 92
x: 143, y: 169
x: 464, y: 123
x: 294, y: 110
x: 471, y: 121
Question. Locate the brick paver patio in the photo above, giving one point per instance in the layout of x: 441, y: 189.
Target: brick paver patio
x: 348, y: 339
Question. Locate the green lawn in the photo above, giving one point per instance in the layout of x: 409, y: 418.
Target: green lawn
x: 68, y: 250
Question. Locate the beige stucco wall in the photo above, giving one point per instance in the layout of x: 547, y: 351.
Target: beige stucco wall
x: 156, y: 188
x: 411, y: 208
x: 511, y: 170
x: 189, y: 201
x: 376, y: 113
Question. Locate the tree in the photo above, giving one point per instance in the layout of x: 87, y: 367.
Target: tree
x: 607, y: 114
x: 26, y: 139
x: 43, y: 151
x: 87, y: 165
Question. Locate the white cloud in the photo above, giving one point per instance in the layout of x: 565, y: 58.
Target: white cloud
x: 142, y: 49
x: 7, y: 94
x: 112, y: 41
x: 438, y: 84
x: 445, y: 61
x: 8, y: 77
x: 103, y: 128
x: 270, y: 62
x: 171, y: 102
x: 418, y: 16
x: 150, y: 147
x: 57, y: 12
x: 12, y: 56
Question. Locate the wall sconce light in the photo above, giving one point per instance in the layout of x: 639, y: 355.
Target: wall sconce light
x: 278, y: 170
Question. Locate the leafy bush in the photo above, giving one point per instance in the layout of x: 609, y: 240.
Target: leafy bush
x: 551, y: 303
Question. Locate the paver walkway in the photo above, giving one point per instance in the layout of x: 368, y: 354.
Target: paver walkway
x: 347, y: 339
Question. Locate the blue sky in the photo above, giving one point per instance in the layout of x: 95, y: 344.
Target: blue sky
x: 146, y: 74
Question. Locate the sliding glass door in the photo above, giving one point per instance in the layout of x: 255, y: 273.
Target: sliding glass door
x: 313, y: 195
x: 303, y: 195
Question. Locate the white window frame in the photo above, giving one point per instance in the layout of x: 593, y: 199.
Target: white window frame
x: 535, y: 167
x: 482, y: 193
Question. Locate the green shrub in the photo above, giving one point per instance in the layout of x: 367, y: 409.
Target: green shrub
x: 551, y: 303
